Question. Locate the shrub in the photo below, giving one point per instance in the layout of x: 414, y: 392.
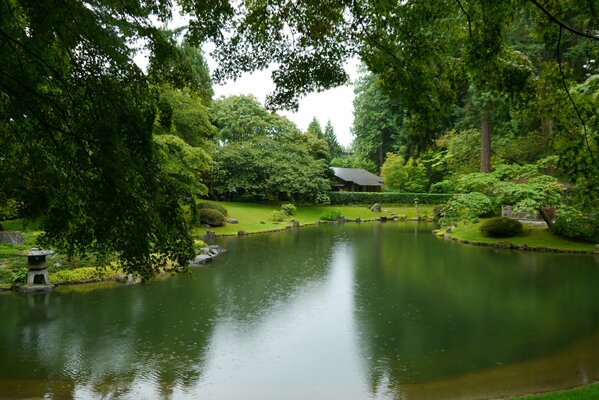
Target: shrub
x: 212, y: 217
x: 445, y: 186
x: 83, y: 274
x: 465, y: 207
x: 501, y: 227
x: 288, y: 209
x: 9, y: 210
x: 405, y: 175
x: 19, y: 276
x: 387, y: 198
x: 331, y: 215
x: 212, y: 206
x: 278, y: 216
x: 323, y: 198
x: 572, y: 224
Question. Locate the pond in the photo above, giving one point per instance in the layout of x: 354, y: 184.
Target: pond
x: 354, y: 311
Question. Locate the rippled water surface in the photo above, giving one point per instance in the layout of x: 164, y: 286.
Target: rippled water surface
x: 381, y: 311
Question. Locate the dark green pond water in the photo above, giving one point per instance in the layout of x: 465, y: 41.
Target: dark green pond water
x: 382, y: 311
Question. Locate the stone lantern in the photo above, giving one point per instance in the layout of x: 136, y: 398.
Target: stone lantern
x: 36, y: 263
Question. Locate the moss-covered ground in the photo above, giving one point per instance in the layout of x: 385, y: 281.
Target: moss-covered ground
x: 534, y: 236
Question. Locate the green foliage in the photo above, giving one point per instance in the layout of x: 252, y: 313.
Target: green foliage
x: 331, y: 215
x: 523, y: 186
x: 501, y: 227
x: 19, y: 277
x: 377, y: 122
x: 466, y: 208
x: 268, y: 169
x: 214, y: 206
x: 315, y: 129
x: 243, y: 117
x: 279, y: 216
x: 212, y: 217
x: 405, y: 176
x: 331, y: 139
x: 9, y: 210
x: 387, y: 198
x: 323, y: 198
x: 445, y: 186
x: 288, y: 209
x: 572, y: 224
x: 355, y: 161
x: 184, y: 114
x: 181, y: 66
x: 82, y: 274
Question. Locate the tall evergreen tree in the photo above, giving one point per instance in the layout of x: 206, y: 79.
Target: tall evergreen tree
x: 330, y: 137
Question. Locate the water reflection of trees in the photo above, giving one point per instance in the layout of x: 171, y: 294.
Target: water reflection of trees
x: 111, y: 339
x: 428, y: 309
x: 150, y: 338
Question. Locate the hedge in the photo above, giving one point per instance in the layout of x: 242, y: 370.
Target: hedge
x: 387, y: 198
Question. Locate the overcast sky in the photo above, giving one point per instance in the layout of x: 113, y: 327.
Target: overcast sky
x: 334, y: 104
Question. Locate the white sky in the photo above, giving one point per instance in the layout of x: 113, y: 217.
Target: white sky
x: 334, y: 104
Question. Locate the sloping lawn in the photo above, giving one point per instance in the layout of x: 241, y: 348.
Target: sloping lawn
x: 534, y: 236
x: 250, y: 215
x: 585, y: 392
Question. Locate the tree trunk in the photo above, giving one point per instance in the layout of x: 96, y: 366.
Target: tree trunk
x: 381, y: 155
x: 546, y: 131
x: 485, y: 126
x: 545, y: 217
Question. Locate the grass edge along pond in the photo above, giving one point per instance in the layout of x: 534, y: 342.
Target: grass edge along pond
x: 534, y: 237
x: 584, y: 392
x: 258, y: 218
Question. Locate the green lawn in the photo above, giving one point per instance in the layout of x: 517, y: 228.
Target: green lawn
x: 533, y: 237
x: 251, y: 215
x: 585, y: 392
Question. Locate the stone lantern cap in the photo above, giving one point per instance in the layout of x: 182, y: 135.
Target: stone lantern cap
x: 37, y: 257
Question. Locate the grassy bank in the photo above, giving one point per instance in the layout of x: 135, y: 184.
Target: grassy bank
x: 254, y: 218
x: 585, y: 392
x: 534, y: 237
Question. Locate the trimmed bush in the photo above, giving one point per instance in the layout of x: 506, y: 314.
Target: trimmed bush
x: 212, y: 206
x: 212, y: 217
x: 332, y: 215
x: 278, y: 216
x: 364, y: 198
x: 572, y: 224
x: 288, y: 209
x: 501, y: 227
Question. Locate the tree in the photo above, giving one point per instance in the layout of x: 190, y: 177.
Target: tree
x: 377, y: 121
x: 330, y: 137
x: 405, y: 176
x: 243, y: 117
x: 76, y: 133
x: 315, y: 129
x: 268, y: 169
x: 354, y: 161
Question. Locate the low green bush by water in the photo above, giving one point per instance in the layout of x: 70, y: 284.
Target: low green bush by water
x: 501, y: 227
x: 572, y: 224
x: 212, y: 217
x: 214, y: 206
x: 82, y: 274
x: 332, y: 215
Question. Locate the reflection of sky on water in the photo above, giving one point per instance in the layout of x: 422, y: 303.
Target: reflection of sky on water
x: 352, y: 312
